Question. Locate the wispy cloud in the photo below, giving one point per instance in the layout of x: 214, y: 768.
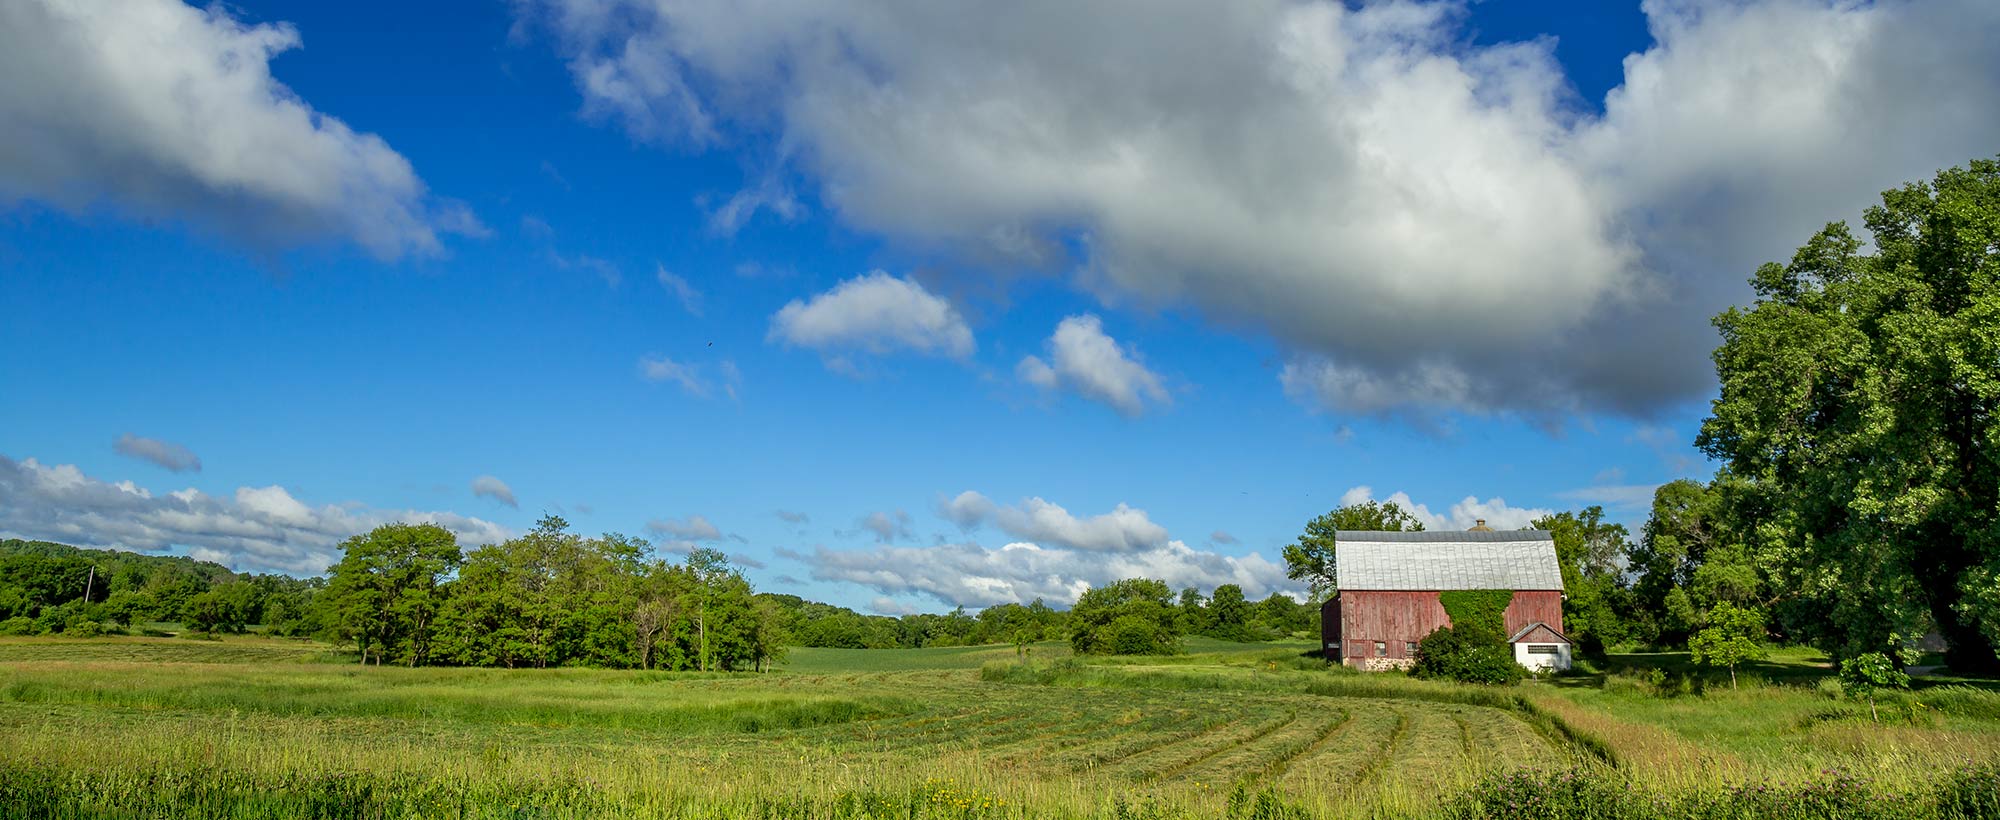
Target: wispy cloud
x: 487, y: 486
x: 689, y: 298
x: 165, y: 454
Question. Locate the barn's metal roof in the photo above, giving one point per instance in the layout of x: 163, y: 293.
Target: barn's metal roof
x: 1441, y: 560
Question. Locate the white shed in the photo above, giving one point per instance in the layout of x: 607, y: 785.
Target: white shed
x: 1540, y: 648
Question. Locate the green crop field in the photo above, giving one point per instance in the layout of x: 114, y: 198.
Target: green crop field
x: 252, y: 727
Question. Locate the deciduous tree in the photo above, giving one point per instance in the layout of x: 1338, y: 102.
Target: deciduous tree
x: 1861, y: 395
x: 1732, y: 636
x: 1311, y: 558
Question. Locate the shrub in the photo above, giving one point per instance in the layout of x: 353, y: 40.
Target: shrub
x: 1467, y: 655
x: 1970, y: 792
x: 1867, y: 676
x: 20, y: 625
x: 1136, y: 635
x: 81, y: 627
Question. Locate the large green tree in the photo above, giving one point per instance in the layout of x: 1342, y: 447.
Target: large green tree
x: 384, y: 593
x: 1861, y: 396
x: 1228, y: 614
x: 1135, y: 616
x: 1590, y: 551
x: 1310, y: 559
x: 1699, y: 549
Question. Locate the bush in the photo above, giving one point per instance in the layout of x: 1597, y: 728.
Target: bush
x: 1467, y: 655
x: 1590, y: 794
x: 19, y: 626
x: 1969, y: 792
x: 1869, y: 676
x: 1136, y: 635
x: 81, y: 627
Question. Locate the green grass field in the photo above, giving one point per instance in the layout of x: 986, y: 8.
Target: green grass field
x: 256, y: 727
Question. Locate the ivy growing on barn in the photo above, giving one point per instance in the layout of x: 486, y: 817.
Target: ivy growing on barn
x: 1481, y: 612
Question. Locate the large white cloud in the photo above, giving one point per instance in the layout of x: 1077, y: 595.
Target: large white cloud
x: 255, y: 529
x: 974, y: 576
x: 1424, y: 223
x: 1055, y: 556
x: 1085, y: 359
x: 168, y: 111
x: 1124, y: 529
x: 875, y: 313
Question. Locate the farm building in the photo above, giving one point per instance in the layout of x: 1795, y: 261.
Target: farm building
x: 1389, y: 586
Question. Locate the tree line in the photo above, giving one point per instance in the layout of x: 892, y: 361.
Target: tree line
x: 47, y: 587
x: 408, y: 594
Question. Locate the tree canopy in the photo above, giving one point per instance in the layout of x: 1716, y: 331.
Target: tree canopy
x: 1860, y: 405
x: 1310, y: 559
x: 1136, y: 616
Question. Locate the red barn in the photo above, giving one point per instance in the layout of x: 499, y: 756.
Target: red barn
x: 1388, y: 585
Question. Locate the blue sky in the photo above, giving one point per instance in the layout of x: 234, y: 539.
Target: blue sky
x: 1155, y: 283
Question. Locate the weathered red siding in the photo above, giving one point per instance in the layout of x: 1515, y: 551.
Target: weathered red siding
x: 1530, y: 606
x: 1354, y: 620
x: 1394, y: 618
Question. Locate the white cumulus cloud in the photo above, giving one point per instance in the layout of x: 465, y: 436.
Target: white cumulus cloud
x: 169, y: 111
x: 1423, y: 223
x: 253, y: 529
x: 875, y: 313
x: 1084, y: 359
x: 973, y: 576
x: 1470, y: 510
x: 1124, y: 529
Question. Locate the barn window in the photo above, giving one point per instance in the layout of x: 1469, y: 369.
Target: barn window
x: 1381, y: 649
x: 1410, y: 648
x: 1541, y: 649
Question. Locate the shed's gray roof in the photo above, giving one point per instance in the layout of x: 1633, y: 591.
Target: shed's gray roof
x: 1441, y: 560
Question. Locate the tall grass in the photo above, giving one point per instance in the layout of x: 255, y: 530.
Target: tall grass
x: 1248, y: 732
x: 1969, y: 792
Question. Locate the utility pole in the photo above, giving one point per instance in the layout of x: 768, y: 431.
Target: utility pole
x: 89, y: 582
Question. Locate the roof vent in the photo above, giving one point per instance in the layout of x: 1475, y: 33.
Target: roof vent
x: 1480, y: 526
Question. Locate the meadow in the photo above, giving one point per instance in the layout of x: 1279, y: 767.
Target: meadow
x: 252, y: 727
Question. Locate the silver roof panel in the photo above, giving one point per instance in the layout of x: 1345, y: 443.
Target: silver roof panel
x: 1447, y: 560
